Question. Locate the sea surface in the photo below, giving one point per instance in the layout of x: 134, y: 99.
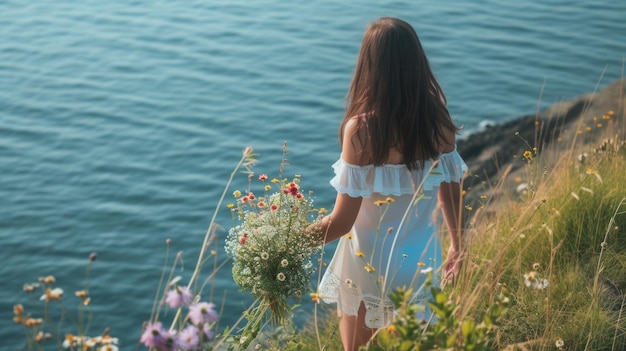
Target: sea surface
x: 121, y: 121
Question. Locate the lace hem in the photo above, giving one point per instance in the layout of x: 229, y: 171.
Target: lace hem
x: 379, y: 312
x: 395, y: 179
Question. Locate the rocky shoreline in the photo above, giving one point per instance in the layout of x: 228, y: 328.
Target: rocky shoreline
x: 577, y: 125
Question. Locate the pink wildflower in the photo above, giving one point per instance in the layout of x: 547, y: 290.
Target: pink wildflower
x: 208, y: 333
x: 154, y: 335
x: 178, y: 297
x: 188, y: 338
x: 202, y: 312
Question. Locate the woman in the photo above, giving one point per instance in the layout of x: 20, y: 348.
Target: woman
x: 397, y: 140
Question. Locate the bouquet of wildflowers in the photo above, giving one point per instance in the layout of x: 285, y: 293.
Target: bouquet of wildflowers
x: 270, y: 247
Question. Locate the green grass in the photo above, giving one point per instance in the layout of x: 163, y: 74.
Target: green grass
x: 571, y: 231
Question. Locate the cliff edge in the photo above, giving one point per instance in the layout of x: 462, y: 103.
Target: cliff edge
x: 576, y: 125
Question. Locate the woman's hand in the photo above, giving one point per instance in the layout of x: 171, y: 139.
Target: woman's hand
x: 452, y: 266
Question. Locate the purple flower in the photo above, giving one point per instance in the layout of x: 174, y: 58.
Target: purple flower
x: 178, y: 297
x: 202, y: 312
x: 188, y: 338
x: 208, y: 333
x: 154, y: 335
x: 170, y: 341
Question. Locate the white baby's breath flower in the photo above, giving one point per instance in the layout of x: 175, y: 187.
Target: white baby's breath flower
x: 427, y: 270
x: 529, y: 279
x: 559, y: 343
x: 52, y: 294
x: 533, y: 281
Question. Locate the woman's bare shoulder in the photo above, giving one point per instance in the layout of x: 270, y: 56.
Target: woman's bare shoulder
x: 356, y: 141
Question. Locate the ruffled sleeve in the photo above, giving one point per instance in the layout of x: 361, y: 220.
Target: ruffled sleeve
x: 362, y: 181
x: 450, y: 169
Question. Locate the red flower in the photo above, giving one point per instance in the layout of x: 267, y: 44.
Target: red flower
x: 242, y: 241
x: 299, y: 196
x: 263, y: 177
x: 293, y: 191
x: 251, y: 196
x: 274, y: 207
x: 286, y: 191
x: 245, y: 199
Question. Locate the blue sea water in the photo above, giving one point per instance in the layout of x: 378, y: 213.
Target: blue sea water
x: 120, y: 121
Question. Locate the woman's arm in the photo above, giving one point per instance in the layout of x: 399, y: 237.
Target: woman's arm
x: 451, y: 205
x: 450, y: 201
x: 340, y: 220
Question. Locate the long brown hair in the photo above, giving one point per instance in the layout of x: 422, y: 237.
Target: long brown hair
x: 395, y: 91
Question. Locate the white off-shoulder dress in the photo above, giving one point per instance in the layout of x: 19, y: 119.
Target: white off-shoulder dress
x: 383, y: 251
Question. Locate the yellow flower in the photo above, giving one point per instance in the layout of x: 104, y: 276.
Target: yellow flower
x: 52, y: 294
x: 315, y: 297
x: 380, y: 202
x: 369, y: 268
x: 421, y: 264
x: 39, y: 337
x: 611, y: 112
x: 392, y: 329
x: 48, y: 280
x: 528, y: 155
x: 468, y: 207
x: 230, y: 205
x: 599, y: 125
x: 31, y: 322
x: 323, y: 210
x: 591, y: 171
x: 236, y: 193
x: 348, y: 236
x: 268, y: 187
x: 359, y: 253
x: 390, y: 199
x: 30, y: 287
x: 274, y: 180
